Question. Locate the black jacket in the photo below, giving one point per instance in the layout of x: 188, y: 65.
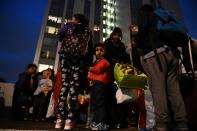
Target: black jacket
x: 147, y: 23
x: 115, y: 52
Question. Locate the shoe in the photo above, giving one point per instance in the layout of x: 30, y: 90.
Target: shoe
x: 42, y: 119
x: 68, y: 124
x: 25, y: 118
x: 144, y: 129
x: 87, y: 126
x: 58, y: 124
x: 37, y: 120
x: 182, y: 129
x: 98, y: 127
x: 92, y: 125
x: 121, y: 126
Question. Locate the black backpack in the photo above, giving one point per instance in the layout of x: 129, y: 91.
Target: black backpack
x: 161, y: 25
x: 75, y: 43
x: 172, y: 31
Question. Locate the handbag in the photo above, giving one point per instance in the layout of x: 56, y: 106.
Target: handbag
x: 128, y: 76
x: 51, y: 107
x: 124, y: 95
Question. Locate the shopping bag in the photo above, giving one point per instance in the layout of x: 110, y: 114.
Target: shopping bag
x: 124, y: 95
x: 128, y: 76
x: 51, y: 107
x: 150, y: 111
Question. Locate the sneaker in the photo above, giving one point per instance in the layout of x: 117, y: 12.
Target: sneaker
x: 93, y: 124
x: 68, y: 124
x: 144, y: 129
x: 87, y: 126
x: 98, y: 127
x: 58, y: 124
x: 25, y: 118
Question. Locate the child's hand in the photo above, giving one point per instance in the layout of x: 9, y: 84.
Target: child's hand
x: 91, y: 83
x: 45, y: 91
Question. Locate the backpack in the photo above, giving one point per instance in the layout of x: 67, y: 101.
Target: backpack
x: 172, y: 31
x: 75, y: 43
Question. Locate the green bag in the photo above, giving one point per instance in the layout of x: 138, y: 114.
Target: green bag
x: 128, y: 76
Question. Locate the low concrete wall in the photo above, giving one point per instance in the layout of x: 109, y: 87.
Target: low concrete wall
x: 6, y: 91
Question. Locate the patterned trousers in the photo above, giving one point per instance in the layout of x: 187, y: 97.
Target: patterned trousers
x: 68, y: 95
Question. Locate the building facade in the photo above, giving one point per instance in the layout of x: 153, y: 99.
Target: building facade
x: 103, y: 16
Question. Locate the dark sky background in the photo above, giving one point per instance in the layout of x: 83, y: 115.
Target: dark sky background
x: 20, y: 25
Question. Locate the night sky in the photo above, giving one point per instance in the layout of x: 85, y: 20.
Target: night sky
x: 20, y: 26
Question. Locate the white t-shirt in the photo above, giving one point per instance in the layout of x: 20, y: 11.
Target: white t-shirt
x: 43, y: 83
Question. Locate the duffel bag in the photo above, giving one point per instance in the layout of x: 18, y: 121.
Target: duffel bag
x: 128, y: 76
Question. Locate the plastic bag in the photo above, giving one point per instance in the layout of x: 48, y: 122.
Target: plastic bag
x: 124, y: 95
x: 51, y: 107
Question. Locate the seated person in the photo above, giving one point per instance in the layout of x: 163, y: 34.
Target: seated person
x: 40, y: 95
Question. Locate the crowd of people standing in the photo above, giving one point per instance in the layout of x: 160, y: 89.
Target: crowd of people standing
x: 78, y: 69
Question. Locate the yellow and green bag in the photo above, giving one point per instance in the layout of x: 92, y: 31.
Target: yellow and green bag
x: 128, y: 76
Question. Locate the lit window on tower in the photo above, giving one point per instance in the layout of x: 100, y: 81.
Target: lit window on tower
x: 55, y: 19
x: 42, y: 67
x: 51, y: 30
x: 109, y: 15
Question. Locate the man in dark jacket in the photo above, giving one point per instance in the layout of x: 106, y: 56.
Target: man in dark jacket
x: 115, y: 52
x: 161, y: 67
x: 23, y: 90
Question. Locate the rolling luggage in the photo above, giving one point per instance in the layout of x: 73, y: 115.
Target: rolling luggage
x: 188, y: 84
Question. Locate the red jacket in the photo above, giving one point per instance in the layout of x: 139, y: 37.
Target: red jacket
x: 100, y: 71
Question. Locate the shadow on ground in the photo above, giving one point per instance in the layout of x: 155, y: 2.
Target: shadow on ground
x: 9, y: 123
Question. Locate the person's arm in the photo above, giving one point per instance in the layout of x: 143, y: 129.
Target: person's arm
x: 20, y: 84
x: 124, y: 57
x: 62, y: 31
x: 147, y: 23
x: 107, y: 50
x: 90, y: 52
x: 49, y: 85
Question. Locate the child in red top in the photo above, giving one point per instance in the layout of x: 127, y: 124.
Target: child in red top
x: 100, y: 74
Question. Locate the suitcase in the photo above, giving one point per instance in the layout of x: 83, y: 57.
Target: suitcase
x: 187, y: 75
x: 188, y: 84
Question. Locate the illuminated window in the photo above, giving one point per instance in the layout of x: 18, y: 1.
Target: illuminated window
x: 42, y: 67
x: 55, y: 19
x: 51, y: 30
x: 59, y: 20
x: 108, y: 14
x: 52, y: 18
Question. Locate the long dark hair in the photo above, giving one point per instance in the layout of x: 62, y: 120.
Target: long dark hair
x: 81, y: 24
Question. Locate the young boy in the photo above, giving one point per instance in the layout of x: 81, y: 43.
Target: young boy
x: 99, y: 73
x: 40, y: 95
